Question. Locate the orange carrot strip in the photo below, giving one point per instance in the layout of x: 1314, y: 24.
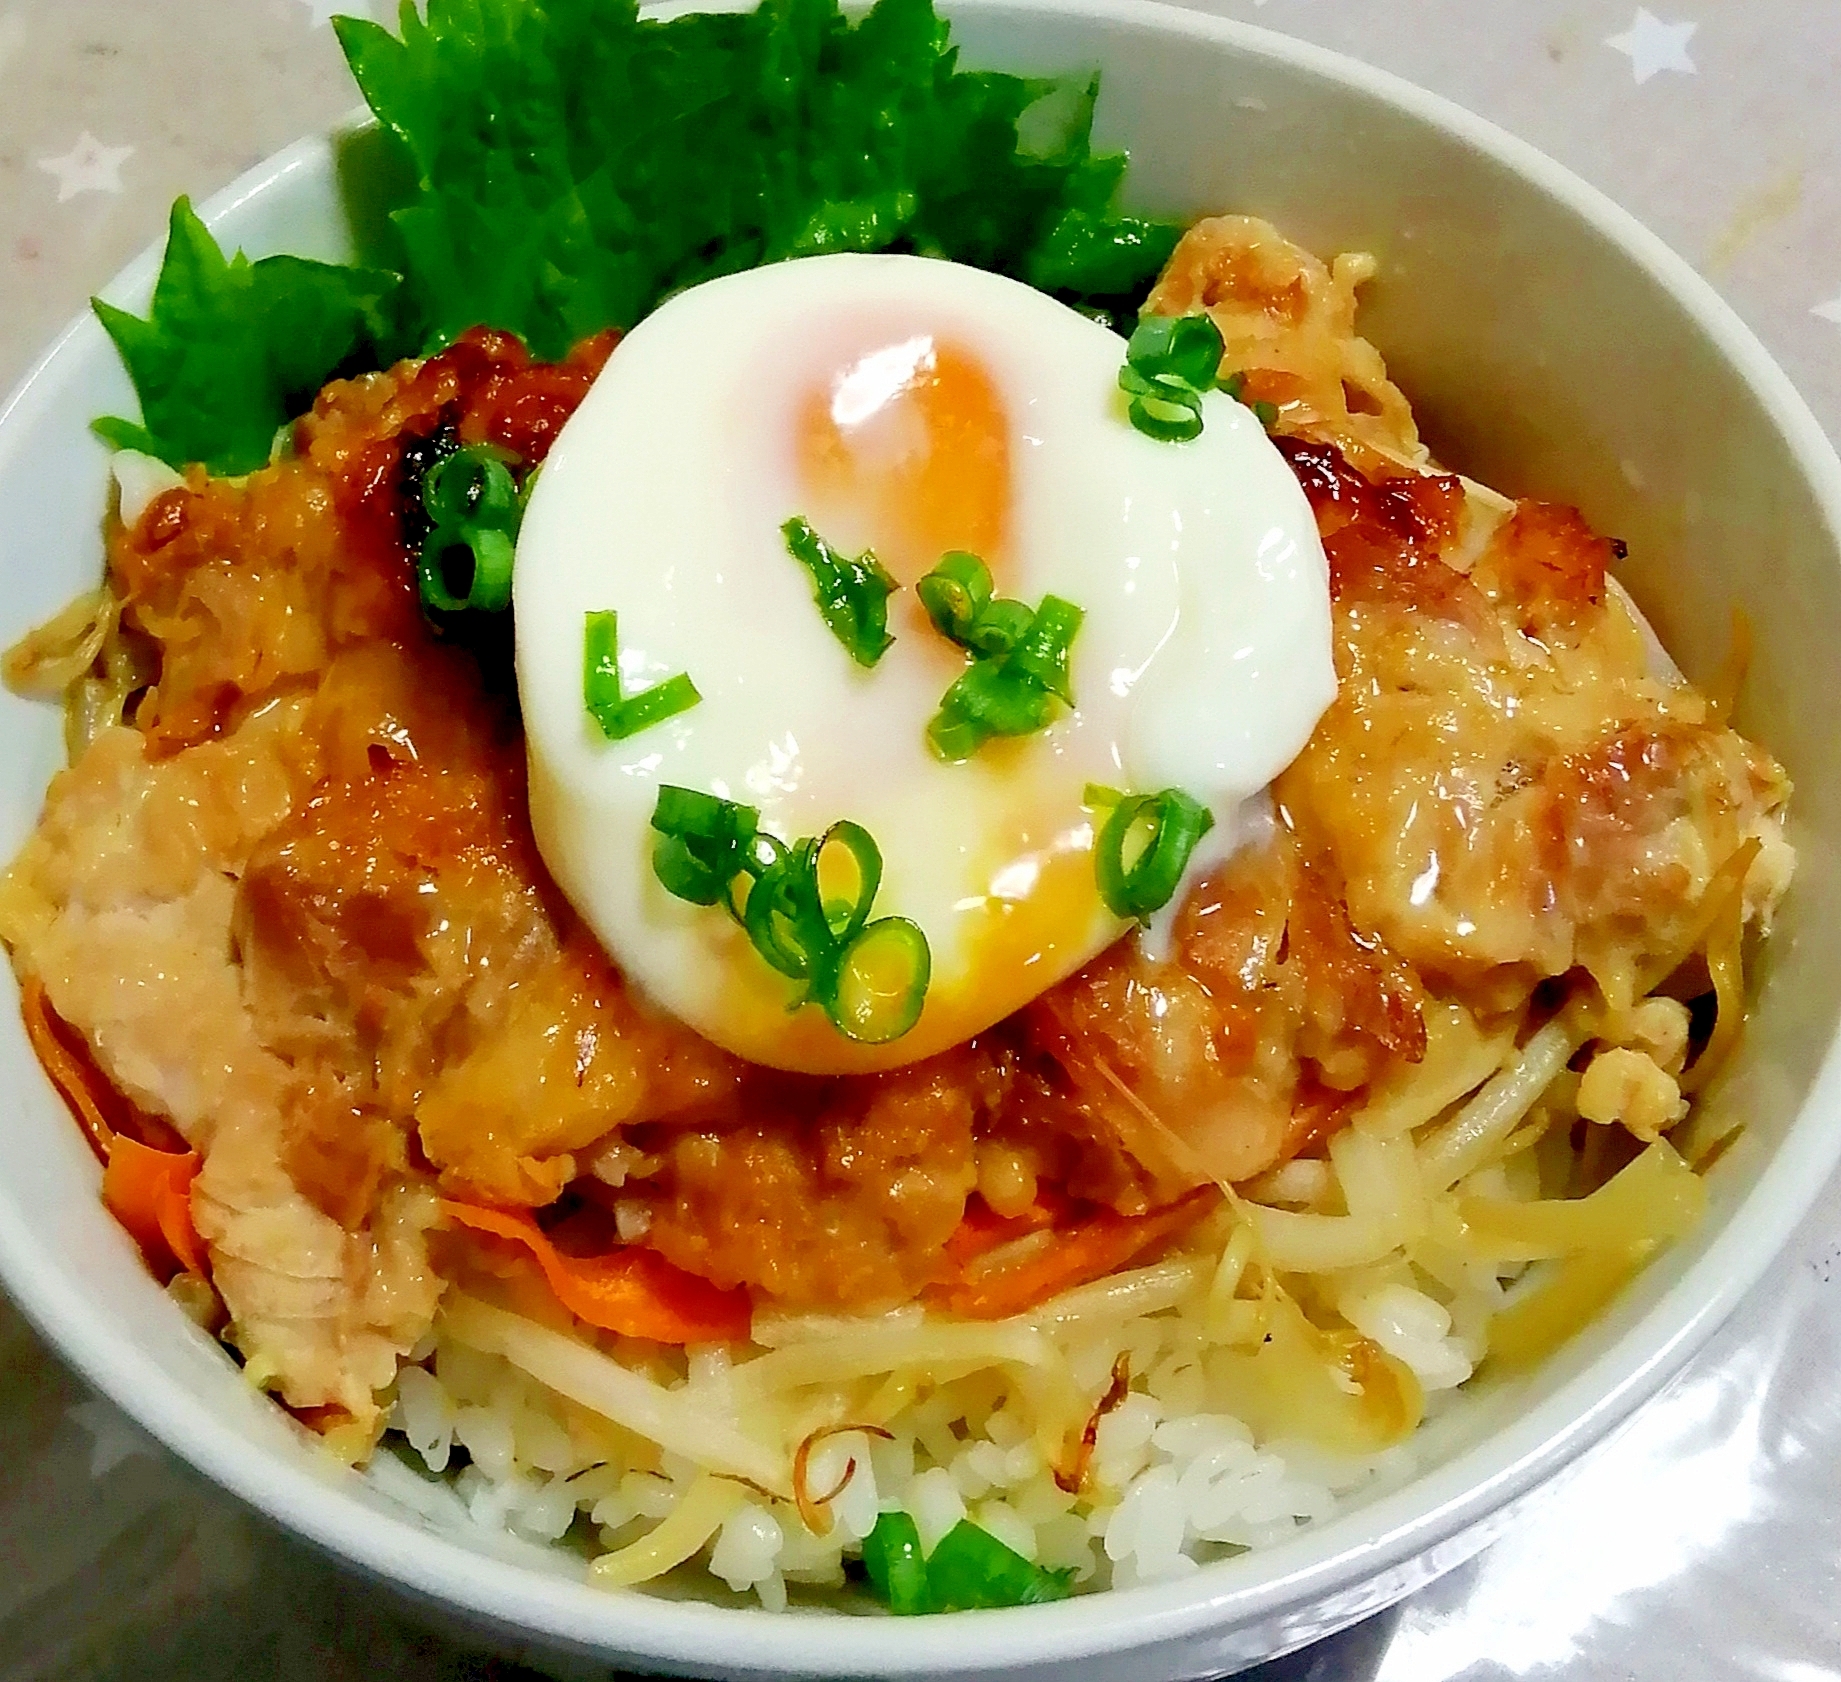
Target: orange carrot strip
x: 632, y: 1290
x: 1079, y: 1254
x: 72, y: 1076
x: 982, y: 1229
x: 150, y: 1193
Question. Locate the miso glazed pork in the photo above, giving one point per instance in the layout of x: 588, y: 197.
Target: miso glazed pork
x: 883, y: 896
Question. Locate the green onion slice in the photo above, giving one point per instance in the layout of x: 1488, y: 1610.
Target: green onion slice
x: 703, y: 843
x: 473, y: 505
x: 955, y: 594
x: 621, y: 715
x: 852, y: 593
x: 1042, y: 653
x: 971, y: 1569
x: 998, y: 698
x: 1187, y: 348
x: 1000, y: 627
x: 1170, y: 361
x: 881, y: 981
x: 953, y: 737
x: 1144, y: 847
x: 844, y: 917
x: 1162, y: 409
x: 870, y: 978
x: 784, y: 921
x: 489, y: 555
x: 897, y: 1568
x: 473, y: 486
x: 1019, y: 655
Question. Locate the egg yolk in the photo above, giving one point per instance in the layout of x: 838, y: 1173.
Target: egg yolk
x: 907, y: 452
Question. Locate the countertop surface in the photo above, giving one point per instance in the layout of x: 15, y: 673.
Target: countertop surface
x: 1700, y: 1545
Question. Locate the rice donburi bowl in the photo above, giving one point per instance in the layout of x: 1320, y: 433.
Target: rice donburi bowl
x: 1148, y: 1272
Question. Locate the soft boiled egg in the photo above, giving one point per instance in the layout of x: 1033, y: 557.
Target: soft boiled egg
x: 911, y: 407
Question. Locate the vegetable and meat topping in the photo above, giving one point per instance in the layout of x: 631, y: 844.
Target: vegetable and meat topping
x: 317, y: 810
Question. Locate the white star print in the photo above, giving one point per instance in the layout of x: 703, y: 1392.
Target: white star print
x: 113, y: 1436
x: 1652, y: 45
x: 1830, y: 311
x: 88, y: 167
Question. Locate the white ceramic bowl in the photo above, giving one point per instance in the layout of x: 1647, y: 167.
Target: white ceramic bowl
x: 1550, y: 345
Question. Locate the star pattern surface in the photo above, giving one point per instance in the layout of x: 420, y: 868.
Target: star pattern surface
x: 1652, y: 45
x: 88, y: 167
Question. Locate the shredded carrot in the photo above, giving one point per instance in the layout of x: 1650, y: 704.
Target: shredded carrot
x: 147, y: 1189
x: 983, y: 1230
x: 75, y: 1077
x: 150, y: 1193
x: 1073, y: 1477
x: 1093, y: 1248
x: 631, y: 1290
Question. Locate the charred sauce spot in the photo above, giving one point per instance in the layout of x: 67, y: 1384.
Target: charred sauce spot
x: 1382, y: 536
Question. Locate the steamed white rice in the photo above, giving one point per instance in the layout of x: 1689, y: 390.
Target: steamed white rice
x: 1173, y: 1481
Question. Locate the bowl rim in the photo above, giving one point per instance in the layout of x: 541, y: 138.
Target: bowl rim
x: 1431, y: 1510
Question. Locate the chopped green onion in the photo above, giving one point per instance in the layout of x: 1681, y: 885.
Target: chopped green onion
x: 1170, y: 361
x: 1235, y: 386
x: 785, y: 922
x: 700, y: 842
x: 955, y: 594
x: 958, y: 598
x: 953, y: 737
x: 685, y: 873
x: 1162, y: 409
x: 1042, y: 652
x: 997, y: 700
x: 621, y: 715
x: 852, y: 593
x: 704, y: 843
x: 881, y: 981
x: 1098, y: 796
x: 897, y: 1568
x: 473, y: 504
x: 1182, y: 347
x: 866, y: 858
x: 472, y: 486
x: 1019, y: 657
x: 869, y: 978
x: 702, y: 817
x: 1000, y: 627
x: 970, y: 1569
x: 1161, y: 832
x: 490, y: 556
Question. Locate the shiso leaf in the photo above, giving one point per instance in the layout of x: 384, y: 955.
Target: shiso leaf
x: 568, y: 165
x: 576, y: 164
x: 233, y: 349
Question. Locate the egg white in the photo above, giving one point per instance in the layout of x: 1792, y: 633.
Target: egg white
x: 1204, y: 660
